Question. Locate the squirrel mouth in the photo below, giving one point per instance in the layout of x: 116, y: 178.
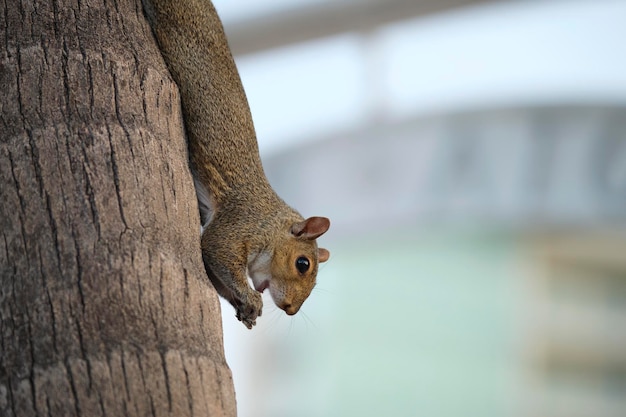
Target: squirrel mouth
x: 262, y: 286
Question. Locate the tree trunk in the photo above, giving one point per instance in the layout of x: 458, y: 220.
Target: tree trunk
x: 105, y: 308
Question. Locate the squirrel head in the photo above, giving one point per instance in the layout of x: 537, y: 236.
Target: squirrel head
x: 294, y: 263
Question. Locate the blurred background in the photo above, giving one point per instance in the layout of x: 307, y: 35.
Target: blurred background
x: 472, y: 158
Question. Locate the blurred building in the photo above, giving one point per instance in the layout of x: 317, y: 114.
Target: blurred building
x: 472, y: 158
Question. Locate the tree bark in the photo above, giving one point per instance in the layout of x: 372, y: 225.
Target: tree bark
x: 105, y: 308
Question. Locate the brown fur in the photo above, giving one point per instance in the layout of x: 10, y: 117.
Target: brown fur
x: 248, y: 218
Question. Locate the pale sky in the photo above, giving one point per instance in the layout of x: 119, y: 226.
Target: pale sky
x: 509, y: 54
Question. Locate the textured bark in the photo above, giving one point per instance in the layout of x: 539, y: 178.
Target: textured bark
x: 105, y: 309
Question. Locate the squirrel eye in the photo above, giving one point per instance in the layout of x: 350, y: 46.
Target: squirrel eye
x: 302, y: 264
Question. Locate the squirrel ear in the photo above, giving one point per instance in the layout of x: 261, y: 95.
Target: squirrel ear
x: 311, y: 228
x: 322, y: 255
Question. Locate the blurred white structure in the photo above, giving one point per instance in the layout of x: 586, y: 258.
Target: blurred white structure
x: 472, y: 161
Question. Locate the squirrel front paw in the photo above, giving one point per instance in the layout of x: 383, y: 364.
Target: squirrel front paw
x: 249, y: 309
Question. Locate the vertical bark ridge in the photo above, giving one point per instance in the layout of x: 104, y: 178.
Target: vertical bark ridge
x: 105, y: 309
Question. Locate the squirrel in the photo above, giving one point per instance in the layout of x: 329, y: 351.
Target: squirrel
x: 247, y: 229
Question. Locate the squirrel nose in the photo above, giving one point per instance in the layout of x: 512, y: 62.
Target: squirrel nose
x: 289, y: 308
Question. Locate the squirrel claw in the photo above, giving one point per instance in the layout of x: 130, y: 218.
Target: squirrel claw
x: 249, y: 311
x: 249, y: 324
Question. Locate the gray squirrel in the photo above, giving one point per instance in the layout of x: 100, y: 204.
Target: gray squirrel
x: 247, y: 229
